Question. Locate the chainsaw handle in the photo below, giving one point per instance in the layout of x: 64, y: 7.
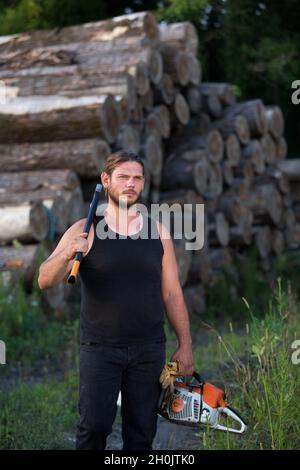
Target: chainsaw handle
x: 229, y: 411
x: 197, y: 377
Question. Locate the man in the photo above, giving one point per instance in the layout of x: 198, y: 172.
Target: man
x: 128, y: 282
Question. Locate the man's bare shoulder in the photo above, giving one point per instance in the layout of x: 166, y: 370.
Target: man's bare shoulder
x: 79, y: 224
x: 72, y: 231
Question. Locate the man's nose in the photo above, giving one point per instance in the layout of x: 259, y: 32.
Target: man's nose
x: 130, y: 182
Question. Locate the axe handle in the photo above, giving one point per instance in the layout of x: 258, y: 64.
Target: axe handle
x: 93, y: 207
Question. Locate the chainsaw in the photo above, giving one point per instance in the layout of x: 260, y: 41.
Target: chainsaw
x: 200, y: 404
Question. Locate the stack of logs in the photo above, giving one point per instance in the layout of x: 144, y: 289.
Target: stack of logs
x: 71, y: 96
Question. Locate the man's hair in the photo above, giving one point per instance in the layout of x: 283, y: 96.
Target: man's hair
x: 117, y: 158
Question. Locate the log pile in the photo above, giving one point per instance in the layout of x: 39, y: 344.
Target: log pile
x: 78, y: 93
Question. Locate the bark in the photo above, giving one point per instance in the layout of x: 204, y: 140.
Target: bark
x: 26, y: 223
x: 254, y: 112
x: 234, y: 124
x: 164, y: 91
x: 33, y: 180
x: 275, y: 121
x: 140, y: 27
x: 183, y: 36
x: 253, y: 151
x: 85, y: 157
x: 224, y: 92
x: 269, y: 149
x: 232, y: 150
x: 59, y: 118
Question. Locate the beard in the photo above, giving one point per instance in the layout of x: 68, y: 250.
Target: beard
x: 122, y: 202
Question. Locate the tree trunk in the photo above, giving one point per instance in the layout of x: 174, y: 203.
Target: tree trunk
x: 224, y: 92
x: 240, y: 235
x: 275, y: 121
x: 231, y: 207
x: 58, y: 118
x: 281, y: 148
x: 235, y: 124
x: 232, y: 150
x: 85, y: 157
x: 211, y: 144
x: 182, y: 173
x: 33, y: 180
x: 291, y: 168
x: 266, y: 204
x: 219, y: 231
x: 244, y: 170
x: 212, y: 105
x: 74, y: 201
x: 269, y: 149
x: 164, y: 91
x: 253, y: 152
x: 215, y: 180
x: 254, y: 112
x: 147, y: 100
x: 180, y: 110
x: 26, y: 223
x: 52, y: 199
x: 158, y: 121
x: 181, y: 196
x: 274, y: 175
x: 139, y: 27
x: 71, y: 80
x: 238, y: 188
x: 176, y: 64
x: 194, y: 98
x: 24, y: 260
x: 227, y: 171
x: 194, y: 69
x: 128, y: 139
x: 183, y: 36
x: 152, y: 150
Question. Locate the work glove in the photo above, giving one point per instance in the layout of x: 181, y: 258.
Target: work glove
x: 169, y: 374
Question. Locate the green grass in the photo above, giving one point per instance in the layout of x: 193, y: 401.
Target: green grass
x: 30, y: 335
x: 242, y: 344
x: 39, y: 384
x: 39, y: 415
x: 264, y: 384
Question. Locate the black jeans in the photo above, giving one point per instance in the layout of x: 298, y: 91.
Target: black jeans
x: 104, y: 371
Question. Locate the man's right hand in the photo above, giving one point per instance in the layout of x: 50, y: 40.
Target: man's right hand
x: 78, y: 243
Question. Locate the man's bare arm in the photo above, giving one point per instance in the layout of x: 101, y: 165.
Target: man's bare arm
x: 54, y: 269
x: 172, y: 292
x: 175, y: 306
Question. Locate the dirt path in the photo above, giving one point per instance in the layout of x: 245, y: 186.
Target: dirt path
x: 169, y: 436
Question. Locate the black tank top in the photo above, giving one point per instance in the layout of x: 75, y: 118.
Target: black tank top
x: 121, y: 300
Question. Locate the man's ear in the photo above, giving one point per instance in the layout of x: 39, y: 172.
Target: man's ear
x: 104, y: 179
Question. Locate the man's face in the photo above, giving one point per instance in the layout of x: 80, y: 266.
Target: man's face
x: 125, y: 184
